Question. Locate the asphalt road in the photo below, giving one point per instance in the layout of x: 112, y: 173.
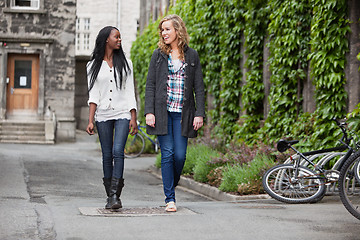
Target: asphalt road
x: 56, y: 192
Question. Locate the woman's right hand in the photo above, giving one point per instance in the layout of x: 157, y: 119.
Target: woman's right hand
x: 90, y: 128
x: 150, y: 119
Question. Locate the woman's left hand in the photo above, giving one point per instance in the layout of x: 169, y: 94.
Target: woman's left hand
x: 133, y: 129
x: 198, y: 123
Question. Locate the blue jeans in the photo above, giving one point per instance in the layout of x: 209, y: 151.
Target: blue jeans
x: 112, y: 146
x: 173, y: 154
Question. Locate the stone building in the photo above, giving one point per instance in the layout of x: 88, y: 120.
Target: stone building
x: 37, y: 70
x: 151, y: 10
x: 91, y: 16
x: 44, y: 47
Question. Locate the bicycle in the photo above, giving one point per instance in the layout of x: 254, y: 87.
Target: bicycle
x: 349, y: 185
x: 135, y: 145
x: 297, y: 183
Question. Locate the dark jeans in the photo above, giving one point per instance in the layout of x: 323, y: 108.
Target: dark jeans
x: 173, y: 154
x: 112, y: 145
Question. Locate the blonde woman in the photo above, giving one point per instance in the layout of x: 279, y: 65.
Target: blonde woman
x: 174, y: 100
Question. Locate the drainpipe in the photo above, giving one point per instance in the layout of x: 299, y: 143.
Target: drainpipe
x: 119, y: 14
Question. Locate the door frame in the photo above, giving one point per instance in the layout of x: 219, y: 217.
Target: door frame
x: 32, y: 92
x: 40, y: 50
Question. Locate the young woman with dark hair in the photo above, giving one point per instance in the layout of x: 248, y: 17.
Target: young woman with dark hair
x: 112, y: 105
x: 172, y: 112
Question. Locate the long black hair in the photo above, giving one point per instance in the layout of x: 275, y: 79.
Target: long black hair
x: 119, y: 60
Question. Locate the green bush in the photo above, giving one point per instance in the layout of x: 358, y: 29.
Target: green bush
x: 189, y: 163
x: 231, y: 172
x: 158, y: 161
x: 197, y: 156
x: 245, y: 178
x: 203, y: 155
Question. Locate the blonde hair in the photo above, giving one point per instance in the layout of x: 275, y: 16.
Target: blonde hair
x: 181, y: 33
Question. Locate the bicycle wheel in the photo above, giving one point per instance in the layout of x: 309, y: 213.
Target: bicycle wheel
x: 349, y: 186
x: 357, y: 170
x: 157, y: 145
x: 134, y: 146
x: 281, y: 183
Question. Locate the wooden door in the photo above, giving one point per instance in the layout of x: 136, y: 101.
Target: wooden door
x: 23, y: 85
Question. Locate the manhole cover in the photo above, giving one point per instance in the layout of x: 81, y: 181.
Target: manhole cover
x: 133, y: 212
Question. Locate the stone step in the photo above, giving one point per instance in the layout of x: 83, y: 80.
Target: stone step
x: 26, y: 132
x: 12, y: 131
x: 22, y: 137
x: 26, y: 141
x: 22, y: 129
x: 22, y: 124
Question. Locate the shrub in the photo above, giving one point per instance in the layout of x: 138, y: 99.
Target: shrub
x: 197, y: 156
x: 191, y: 158
x: 158, y: 161
x: 215, y: 176
x: 241, y: 153
x: 203, y: 155
x: 245, y: 178
x: 239, y: 170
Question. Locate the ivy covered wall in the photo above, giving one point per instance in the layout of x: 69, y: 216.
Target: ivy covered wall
x: 272, y: 68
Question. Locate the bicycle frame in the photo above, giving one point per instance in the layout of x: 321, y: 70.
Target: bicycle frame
x: 283, y: 145
x: 145, y: 135
x: 319, y: 167
x: 136, y: 145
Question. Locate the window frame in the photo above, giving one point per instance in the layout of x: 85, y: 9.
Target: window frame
x: 87, y: 24
x: 20, y: 9
x: 83, y: 33
x: 86, y: 41
x: 13, y: 6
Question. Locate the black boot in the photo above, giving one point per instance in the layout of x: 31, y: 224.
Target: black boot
x: 107, y: 185
x: 114, y: 202
x: 119, y: 189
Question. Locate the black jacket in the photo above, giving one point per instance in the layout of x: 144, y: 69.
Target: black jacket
x: 156, y: 93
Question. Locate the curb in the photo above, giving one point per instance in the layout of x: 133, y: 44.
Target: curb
x: 207, y: 190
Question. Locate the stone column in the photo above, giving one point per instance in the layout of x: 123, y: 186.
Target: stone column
x: 266, y: 78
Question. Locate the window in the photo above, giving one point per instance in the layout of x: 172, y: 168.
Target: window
x: 86, y: 41
x: 25, y: 4
x: 22, y: 74
x: 86, y: 24
x: 78, y: 24
x: 78, y: 41
x: 83, y: 34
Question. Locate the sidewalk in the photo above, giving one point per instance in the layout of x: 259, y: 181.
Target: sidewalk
x: 55, y: 192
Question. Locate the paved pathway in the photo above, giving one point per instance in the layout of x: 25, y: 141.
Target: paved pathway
x: 55, y: 192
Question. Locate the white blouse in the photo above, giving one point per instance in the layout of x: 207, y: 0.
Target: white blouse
x: 112, y: 102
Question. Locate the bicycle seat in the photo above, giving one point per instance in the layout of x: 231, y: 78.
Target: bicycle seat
x: 284, y: 145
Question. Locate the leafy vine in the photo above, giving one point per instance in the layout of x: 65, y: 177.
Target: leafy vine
x: 256, y: 21
x: 299, y: 32
x: 329, y: 45
x: 289, y: 37
x: 230, y: 44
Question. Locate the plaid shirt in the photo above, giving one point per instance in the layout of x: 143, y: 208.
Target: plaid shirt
x: 175, y: 86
